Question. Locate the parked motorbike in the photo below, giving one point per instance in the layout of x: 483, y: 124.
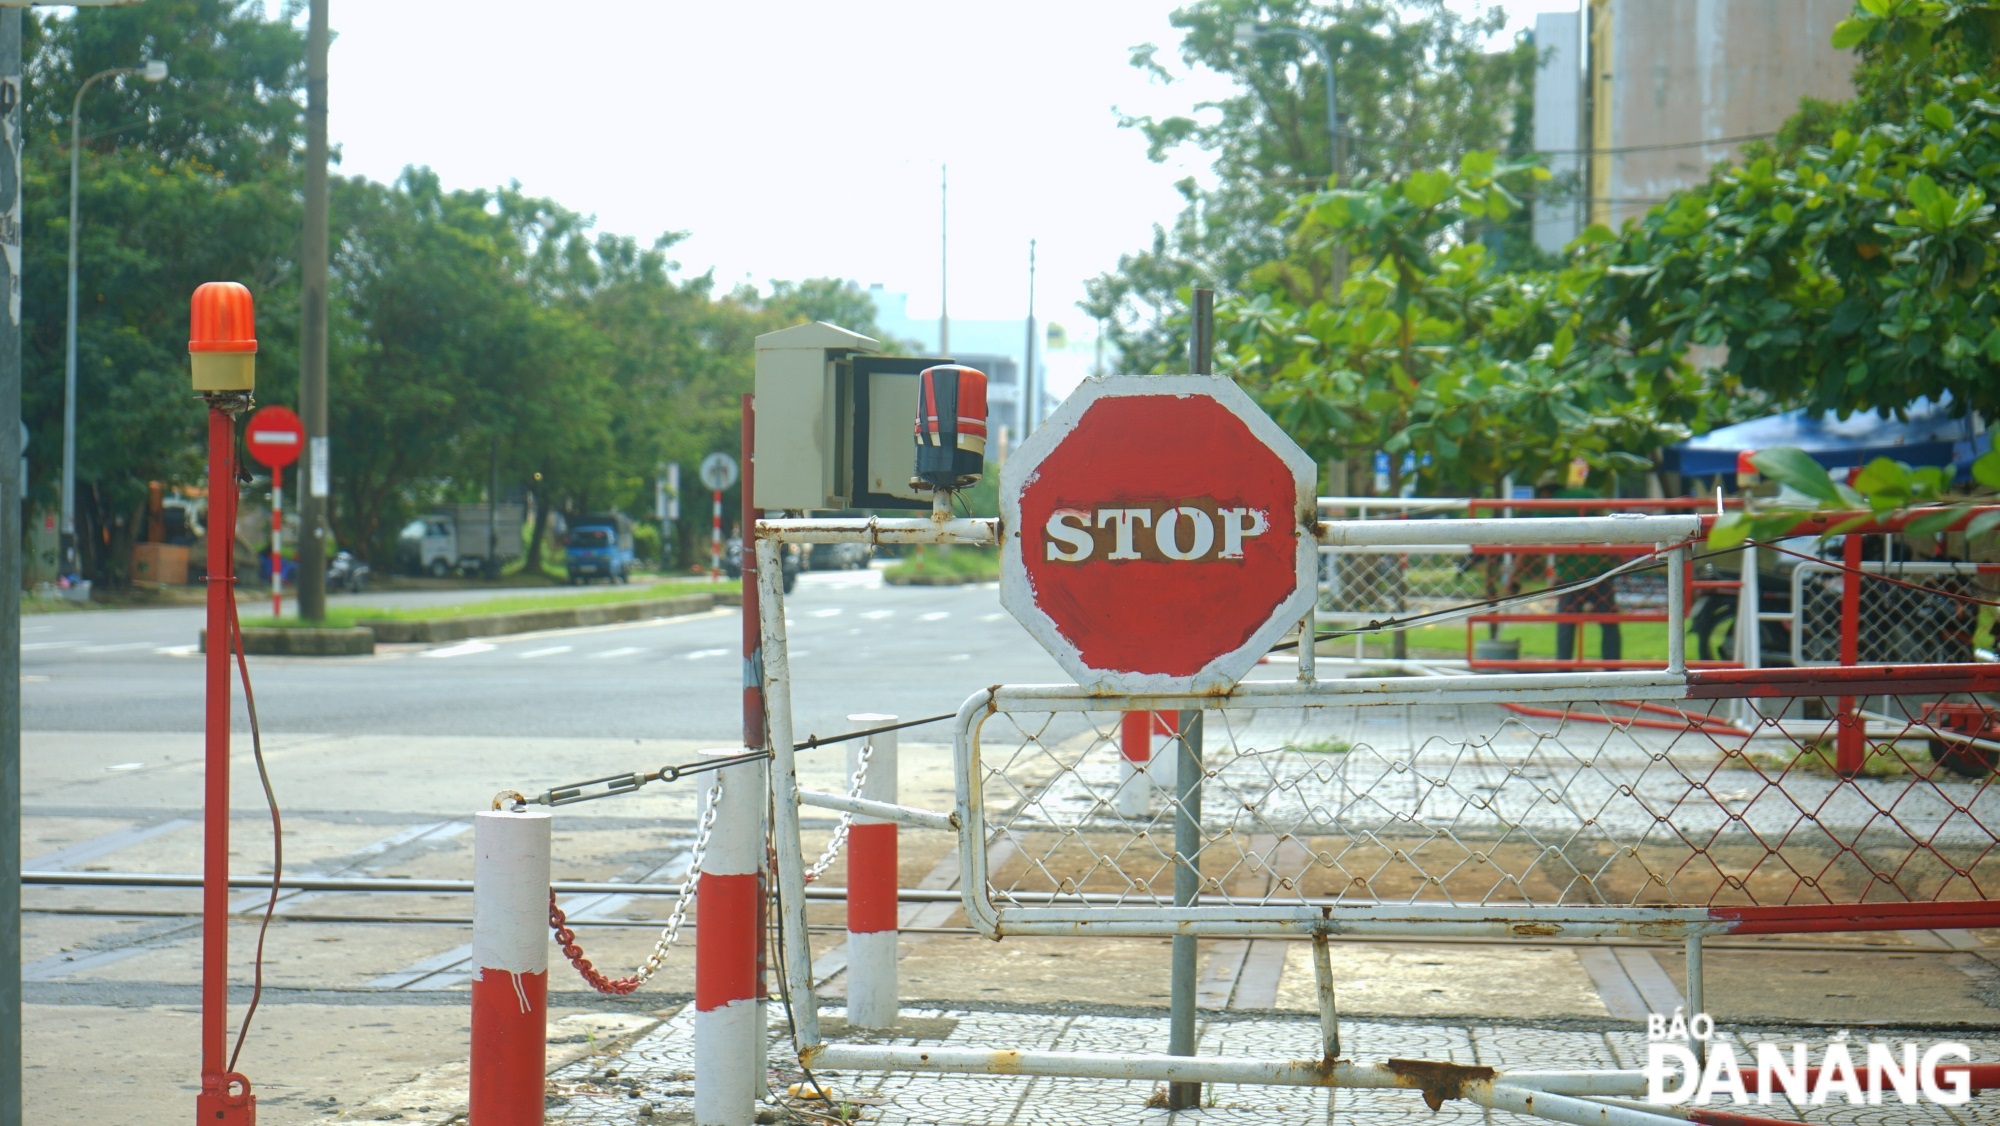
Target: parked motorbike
x: 347, y: 573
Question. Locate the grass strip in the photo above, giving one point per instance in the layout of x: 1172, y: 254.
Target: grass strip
x: 956, y: 561
x: 345, y: 617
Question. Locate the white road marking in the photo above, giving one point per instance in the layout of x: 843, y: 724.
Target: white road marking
x: 118, y: 648
x: 959, y: 657
x: 992, y: 617
x: 125, y: 766
x: 48, y: 645
x: 878, y: 615
x: 704, y: 654
x: 934, y: 616
x: 32, y: 678
x: 548, y: 652
x: 621, y: 651
x: 462, y: 649
x: 177, y: 650
x: 830, y: 612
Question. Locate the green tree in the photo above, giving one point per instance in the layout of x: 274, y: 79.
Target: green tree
x: 1439, y: 355
x: 1417, y: 88
x: 182, y: 182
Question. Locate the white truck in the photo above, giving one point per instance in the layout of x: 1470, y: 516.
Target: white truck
x: 460, y: 538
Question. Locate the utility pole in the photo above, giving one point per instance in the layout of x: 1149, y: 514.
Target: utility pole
x: 312, y: 334
x: 1031, y: 388
x: 1247, y: 34
x: 10, y: 568
x: 944, y: 260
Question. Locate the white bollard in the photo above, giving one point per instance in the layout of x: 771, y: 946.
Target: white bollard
x: 728, y: 1034
x: 510, y: 984
x: 1146, y: 761
x: 872, y: 885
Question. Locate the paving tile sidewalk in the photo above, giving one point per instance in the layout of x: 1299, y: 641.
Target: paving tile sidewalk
x: 652, y: 1081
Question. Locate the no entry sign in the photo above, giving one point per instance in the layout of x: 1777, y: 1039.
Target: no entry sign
x: 1158, y: 534
x: 275, y: 437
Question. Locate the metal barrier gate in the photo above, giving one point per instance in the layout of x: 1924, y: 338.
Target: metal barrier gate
x: 1624, y: 803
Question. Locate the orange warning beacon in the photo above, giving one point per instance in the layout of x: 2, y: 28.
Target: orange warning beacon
x: 222, y: 338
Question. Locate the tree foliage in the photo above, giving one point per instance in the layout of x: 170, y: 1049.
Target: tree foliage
x: 1856, y: 271
x: 477, y: 336
x: 1438, y: 355
x: 1416, y: 89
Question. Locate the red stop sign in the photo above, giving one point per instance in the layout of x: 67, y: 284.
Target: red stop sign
x: 1159, y: 534
x: 275, y: 436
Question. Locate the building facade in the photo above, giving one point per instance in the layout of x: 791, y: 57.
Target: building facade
x: 1666, y: 90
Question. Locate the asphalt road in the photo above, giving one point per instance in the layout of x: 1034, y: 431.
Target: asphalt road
x: 857, y: 646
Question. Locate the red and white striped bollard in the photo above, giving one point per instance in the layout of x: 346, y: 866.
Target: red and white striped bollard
x: 1142, y: 736
x: 872, y: 924
x: 727, y: 1028
x: 510, y: 986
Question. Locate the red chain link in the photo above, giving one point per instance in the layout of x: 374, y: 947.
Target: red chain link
x: 566, y: 938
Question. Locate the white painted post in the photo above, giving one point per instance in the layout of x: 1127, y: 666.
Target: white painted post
x: 872, y: 884
x: 727, y: 1032
x: 510, y: 950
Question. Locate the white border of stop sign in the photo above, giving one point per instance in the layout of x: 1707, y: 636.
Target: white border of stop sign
x: 1226, y: 532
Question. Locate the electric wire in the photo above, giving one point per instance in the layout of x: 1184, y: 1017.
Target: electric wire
x: 1648, y: 562
x: 1890, y: 579
x: 774, y: 940
x: 277, y: 824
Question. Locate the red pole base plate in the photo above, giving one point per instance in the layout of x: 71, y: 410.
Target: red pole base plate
x: 233, y: 1105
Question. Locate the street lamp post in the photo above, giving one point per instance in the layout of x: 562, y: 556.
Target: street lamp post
x: 154, y: 71
x: 1247, y: 34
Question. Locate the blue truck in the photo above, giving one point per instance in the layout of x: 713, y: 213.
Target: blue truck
x: 599, y: 547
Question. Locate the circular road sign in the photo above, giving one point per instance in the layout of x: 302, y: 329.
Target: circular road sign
x: 1158, y: 534
x: 718, y: 471
x: 275, y: 437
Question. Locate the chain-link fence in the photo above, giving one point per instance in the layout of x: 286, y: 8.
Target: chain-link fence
x: 1646, y: 798
x: 1622, y: 807
x: 1906, y: 612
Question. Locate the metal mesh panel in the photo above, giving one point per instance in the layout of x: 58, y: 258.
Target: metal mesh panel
x: 1359, y: 585
x: 1596, y: 804
x: 1897, y: 624
x: 1364, y: 584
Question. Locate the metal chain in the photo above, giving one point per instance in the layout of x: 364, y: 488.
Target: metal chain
x: 839, y: 838
x: 620, y: 986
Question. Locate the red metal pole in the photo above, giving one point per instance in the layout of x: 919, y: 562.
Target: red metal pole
x: 1849, y: 735
x: 753, y: 683
x: 277, y: 541
x: 715, y: 539
x: 225, y: 1097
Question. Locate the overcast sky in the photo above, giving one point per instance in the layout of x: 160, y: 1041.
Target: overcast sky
x: 792, y: 139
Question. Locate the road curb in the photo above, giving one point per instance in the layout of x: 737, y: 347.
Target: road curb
x: 355, y: 642
x: 361, y: 639
x: 937, y: 580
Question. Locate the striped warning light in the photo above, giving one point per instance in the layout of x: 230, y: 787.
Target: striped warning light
x: 222, y: 337
x: 951, y: 427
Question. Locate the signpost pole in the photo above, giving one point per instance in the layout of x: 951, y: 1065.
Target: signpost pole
x: 277, y: 541
x: 1187, y: 803
x: 715, y: 540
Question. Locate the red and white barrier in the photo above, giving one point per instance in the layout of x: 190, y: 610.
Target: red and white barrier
x: 728, y: 1029
x: 872, y: 1000
x: 1145, y: 742
x: 510, y: 947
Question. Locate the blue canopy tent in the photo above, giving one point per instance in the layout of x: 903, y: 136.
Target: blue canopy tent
x: 1931, y: 436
